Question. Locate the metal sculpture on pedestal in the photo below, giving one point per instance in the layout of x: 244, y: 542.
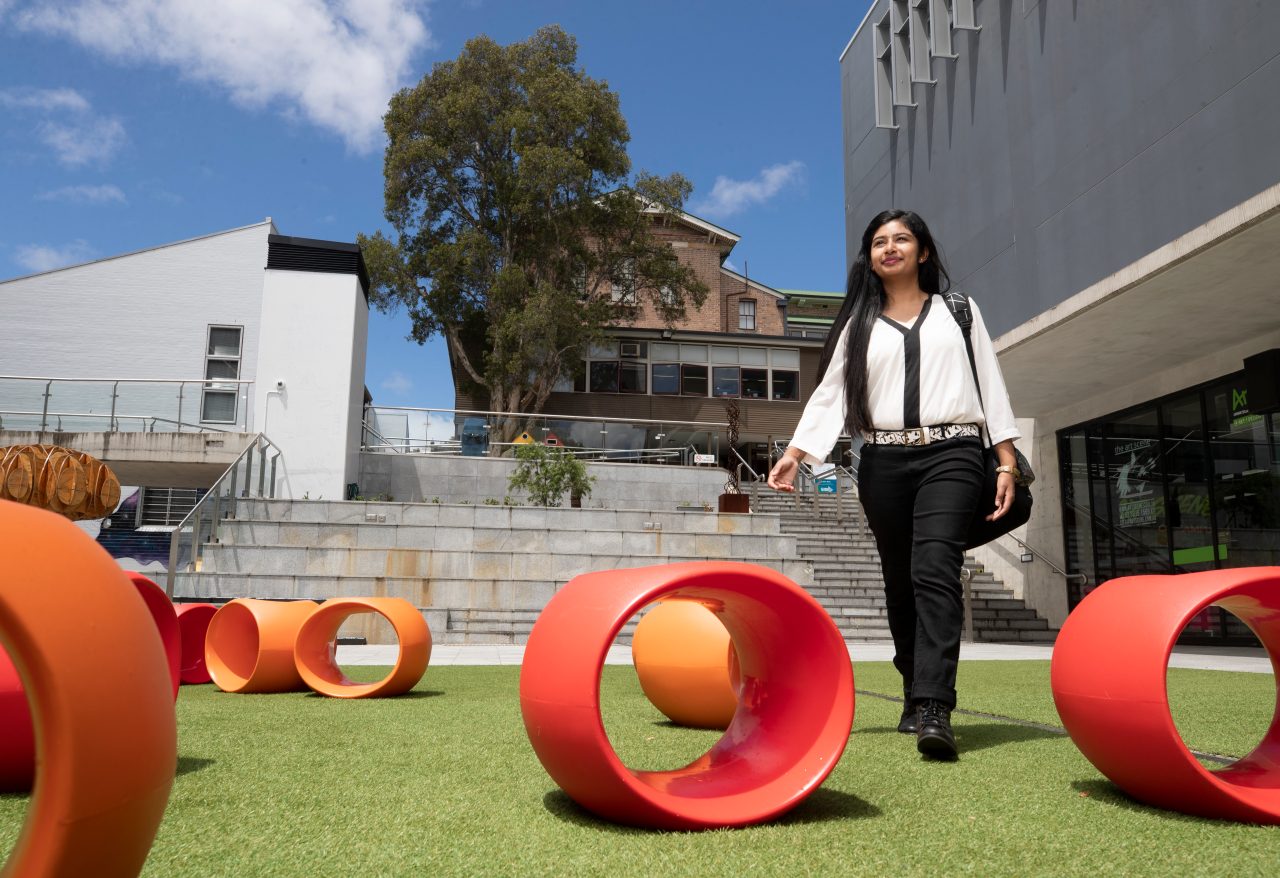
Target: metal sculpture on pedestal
x: 732, y: 415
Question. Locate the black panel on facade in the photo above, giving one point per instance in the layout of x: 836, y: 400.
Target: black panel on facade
x: 306, y: 254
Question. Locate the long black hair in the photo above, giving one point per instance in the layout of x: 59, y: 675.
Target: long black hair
x: 863, y: 302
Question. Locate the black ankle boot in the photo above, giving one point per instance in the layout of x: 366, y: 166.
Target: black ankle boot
x: 933, y: 736
x: 909, y: 722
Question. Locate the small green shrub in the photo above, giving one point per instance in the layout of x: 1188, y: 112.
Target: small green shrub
x: 547, y: 474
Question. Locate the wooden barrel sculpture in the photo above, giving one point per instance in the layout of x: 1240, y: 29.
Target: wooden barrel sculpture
x: 17, y: 473
x: 71, y: 483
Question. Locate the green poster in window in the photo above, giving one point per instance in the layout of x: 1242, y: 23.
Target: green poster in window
x: 1136, y: 489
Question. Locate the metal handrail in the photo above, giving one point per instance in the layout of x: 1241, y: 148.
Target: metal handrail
x: 755, y: 476
x: 1133, y: 541
x: 406, y: 444
x: 214, y: 497
x: 154, y: 419
x: 233, y: 385
x: 1038, y: 555
x: 386, y: 442
x: 130, y: 380
x: 551, y: 417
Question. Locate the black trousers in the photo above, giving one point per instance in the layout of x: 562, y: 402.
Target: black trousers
x: 919, y: 501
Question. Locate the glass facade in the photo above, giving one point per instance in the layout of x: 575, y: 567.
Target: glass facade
x: 669, y: 368
x: 1189, y: 482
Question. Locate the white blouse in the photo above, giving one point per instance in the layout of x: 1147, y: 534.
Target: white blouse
x: 940, y: 392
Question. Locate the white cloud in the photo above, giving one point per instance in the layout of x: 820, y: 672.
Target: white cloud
x: 733, y: 196
x: 398, y: 383
x: 105, y: 194
x: 334, y: 62
x: 43, y: 257
x: 81, y: 141
x: 43, y: 99
x: 76, y: 134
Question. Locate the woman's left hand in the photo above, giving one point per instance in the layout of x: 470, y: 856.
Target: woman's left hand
x: 1004, y: 495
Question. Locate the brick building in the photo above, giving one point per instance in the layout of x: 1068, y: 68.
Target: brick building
x: 739, y: 347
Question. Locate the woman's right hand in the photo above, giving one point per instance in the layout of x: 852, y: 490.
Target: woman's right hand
x: 783, y: 475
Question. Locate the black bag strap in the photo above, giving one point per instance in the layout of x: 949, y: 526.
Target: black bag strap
x: 961, y: 309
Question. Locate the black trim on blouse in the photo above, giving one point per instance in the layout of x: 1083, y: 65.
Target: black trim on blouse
x: 911, y: 359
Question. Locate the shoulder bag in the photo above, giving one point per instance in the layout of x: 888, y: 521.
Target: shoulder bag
x: 982, y: 531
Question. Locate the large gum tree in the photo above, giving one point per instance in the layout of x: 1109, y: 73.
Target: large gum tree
x: 519, y: 233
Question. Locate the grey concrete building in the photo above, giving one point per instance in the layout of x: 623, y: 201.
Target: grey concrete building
x: 1103, y: 176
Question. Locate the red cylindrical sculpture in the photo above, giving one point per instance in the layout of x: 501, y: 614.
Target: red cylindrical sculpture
x: 793, y: 720
x: 17, y: 743
x: 249, y: 645
x: 314, y: 651
x: 1110, y: 665
x: 17, y: 735
x: 193, y: 623
x: 162, y: 613
x: 95, y: 671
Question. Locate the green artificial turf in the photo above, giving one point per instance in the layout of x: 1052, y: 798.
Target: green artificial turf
x: 444, y: 782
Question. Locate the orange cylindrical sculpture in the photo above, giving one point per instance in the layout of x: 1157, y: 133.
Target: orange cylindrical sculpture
x: 17, y: 736
x: 162, y: 613
x: 686, y: 664
x: 193, y: 623
x: 795, y: 699
x: 249, y: 645
x: 315, y: 649
x: 1110, y: 665
x: 96, y: 675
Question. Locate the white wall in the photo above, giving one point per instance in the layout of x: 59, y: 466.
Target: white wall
x: 314, y: 331
x: 139, y: 315
x: 355, y: 401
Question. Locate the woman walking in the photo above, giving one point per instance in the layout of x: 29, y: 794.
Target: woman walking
x: 895, y: 371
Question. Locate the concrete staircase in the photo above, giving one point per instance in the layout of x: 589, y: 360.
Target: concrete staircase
x: 847, y: 582
x: 480, y: 574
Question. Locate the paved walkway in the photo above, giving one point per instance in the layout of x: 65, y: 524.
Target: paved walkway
x: 1203, y: 657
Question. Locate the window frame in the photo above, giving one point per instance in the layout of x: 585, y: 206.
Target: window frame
x: 737, y: 382
x: 636, y: 367
x: 773, y: 377
x: 653, y: 383
x: 746, y: 315
x: 218, y: 387
x: 622, y: 287
x: 617, y: 375
x: 706, y: 377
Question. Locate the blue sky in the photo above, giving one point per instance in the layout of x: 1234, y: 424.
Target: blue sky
x: 126, y: 124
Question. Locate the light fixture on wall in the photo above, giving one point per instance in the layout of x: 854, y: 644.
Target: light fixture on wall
x: 1026, y: 557
x: 667, y: 333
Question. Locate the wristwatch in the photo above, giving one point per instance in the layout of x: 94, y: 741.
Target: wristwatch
x: 1011, y: 470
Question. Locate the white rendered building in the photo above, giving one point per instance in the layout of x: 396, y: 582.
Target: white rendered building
x: 245, y: 331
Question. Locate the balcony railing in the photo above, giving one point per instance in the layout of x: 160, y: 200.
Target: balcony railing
x: 403, y: 430
x: 125, y: 405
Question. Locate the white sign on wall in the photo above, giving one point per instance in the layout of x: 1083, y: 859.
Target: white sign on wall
x: 704, y: 458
